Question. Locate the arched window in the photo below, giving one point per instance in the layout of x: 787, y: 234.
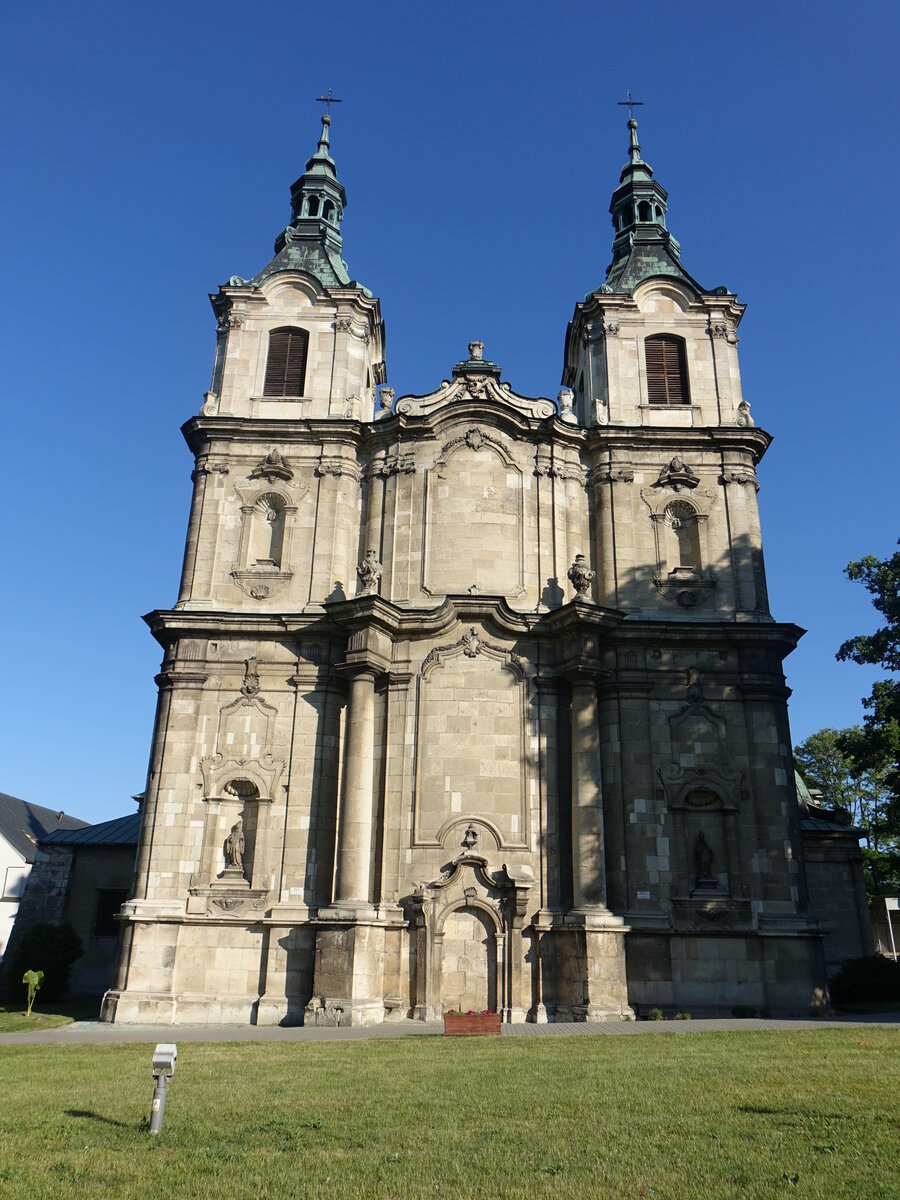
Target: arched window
x: 314, y: 206
x: 328, y: 211
x: 667, y: 378
x: 644, y: 211
x: 286, y: 362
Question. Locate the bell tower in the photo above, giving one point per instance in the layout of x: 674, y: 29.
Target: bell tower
x: 651, y: 356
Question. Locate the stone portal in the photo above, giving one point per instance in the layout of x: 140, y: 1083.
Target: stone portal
x: 469, y: 963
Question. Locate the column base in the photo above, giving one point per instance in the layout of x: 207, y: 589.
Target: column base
x: 281, y: 1010
x: 339, y: 1012
x: 348, y: 910
x: 595, y: 916
x: 348, y: 981
x: 591, y: 984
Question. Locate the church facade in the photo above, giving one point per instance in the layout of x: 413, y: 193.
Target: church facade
x: 473, y: 699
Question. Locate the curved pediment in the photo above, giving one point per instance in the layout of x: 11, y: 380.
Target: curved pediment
x: 476, y: 378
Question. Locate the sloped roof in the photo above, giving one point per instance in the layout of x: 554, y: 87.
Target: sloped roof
x: 23, y: 824
x: 122, y: 831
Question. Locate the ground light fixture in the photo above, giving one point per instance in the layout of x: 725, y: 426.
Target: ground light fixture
x: 163, y: 1068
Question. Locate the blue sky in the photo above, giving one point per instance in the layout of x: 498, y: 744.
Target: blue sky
x: 149, y: 152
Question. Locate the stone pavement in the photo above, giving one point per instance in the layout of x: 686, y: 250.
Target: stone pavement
x: 92, y: 1032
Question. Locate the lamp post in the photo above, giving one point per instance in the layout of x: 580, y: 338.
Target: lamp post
x: 163, y: 1068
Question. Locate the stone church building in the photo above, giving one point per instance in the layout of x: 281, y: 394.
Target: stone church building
x: 471, y: 699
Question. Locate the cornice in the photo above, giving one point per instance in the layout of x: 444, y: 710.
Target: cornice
x: 373, y: 610
x: 634, y: 440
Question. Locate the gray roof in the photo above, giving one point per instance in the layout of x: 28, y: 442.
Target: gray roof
x: 23, y: 824
x: 123, y: 831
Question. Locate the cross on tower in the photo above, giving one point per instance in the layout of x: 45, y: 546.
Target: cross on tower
x: 630, y: 104
x: 329, y: 100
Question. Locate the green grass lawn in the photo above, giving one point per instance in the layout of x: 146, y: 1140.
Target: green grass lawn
x: 700, y: 1117
x: 14, y: 1020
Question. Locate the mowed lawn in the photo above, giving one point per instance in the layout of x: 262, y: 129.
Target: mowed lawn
x: 673, y: 1117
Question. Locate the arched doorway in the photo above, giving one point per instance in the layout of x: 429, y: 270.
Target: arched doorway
x: 468, y: 962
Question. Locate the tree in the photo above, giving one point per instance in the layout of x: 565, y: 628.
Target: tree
x: 827, y: 762
x: 878, y: 744
x: 874, y: 749
x: 827, y: 769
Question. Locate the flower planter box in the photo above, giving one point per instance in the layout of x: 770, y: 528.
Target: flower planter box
x: 471, y: 1025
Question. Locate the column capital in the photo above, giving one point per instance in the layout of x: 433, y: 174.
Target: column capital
x: 359, y: 670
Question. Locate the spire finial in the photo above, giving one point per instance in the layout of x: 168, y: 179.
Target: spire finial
x: 630, y: 105
x: 329, y: 100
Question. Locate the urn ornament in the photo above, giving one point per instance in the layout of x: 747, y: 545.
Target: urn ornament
x: 581, y: 577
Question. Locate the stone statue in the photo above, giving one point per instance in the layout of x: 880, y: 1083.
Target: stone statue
x: 386, y: 400
x: 369, y: 571
x: 703, y: 857
x: 476, y: 351
x: 581, y: 577
x: 234, y: 845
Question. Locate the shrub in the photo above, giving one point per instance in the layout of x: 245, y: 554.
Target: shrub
x: 48, y: 948
x: 860, y: 979
x: 680, y: 1016
x: 655, y: 1014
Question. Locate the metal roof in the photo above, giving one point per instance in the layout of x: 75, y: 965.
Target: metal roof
x: 23, y: 824
x: 123, y: 831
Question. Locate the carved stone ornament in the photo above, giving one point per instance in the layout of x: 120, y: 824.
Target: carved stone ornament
x: 250, y: 686
x: 581, y: 577
x: 685, y: 587
x: 720, y: 329
x: 472, y: 381
x: 475, y: 385
x: 476, y: 351
x: 336, y: 466
x: 386, y: 398
x: 566, y: 400
x: 273, y: 466
x: 611, y: 328
x: 228, y: 321
x: 677, y: 475
x: 559, y: 469
x: 391, y: 464
x: 612, y: 474
x: 472, y: 644
x: 369, y: 571
x: 744, y: 420
x: 209, y: 468
x: 740, y: 476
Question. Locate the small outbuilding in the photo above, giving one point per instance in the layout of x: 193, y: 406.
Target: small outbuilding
x: 82, y: 876
x: 22, y: 826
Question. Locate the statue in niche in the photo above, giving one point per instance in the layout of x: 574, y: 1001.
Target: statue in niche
x: 703, y: 857
x: 234, y: 846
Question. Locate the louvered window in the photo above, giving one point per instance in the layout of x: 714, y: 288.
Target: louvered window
x: 286, y: 363
x: 667, y: 381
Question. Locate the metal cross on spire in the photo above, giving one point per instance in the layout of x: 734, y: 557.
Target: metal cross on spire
x: 329, y: 100
x: 630, y: 104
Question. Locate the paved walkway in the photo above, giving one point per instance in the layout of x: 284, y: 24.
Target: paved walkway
x: 93, y: 1032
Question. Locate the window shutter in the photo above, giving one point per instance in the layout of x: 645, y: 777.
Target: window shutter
x: 286, y: 362
x: 666, y: 371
